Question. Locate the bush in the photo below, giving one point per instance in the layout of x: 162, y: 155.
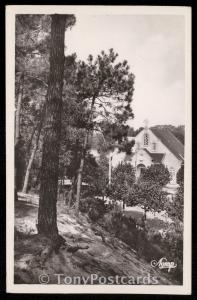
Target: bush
x: 121, y: 226
x: 173, y: 246
x: 148, y: 242
x: 94, y: 207
x: 123, y: 178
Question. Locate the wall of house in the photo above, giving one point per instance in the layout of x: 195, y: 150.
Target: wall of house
x: 170, y: 161
x: 141, y: 157
x: 117, y: 157
x: 139, y: 141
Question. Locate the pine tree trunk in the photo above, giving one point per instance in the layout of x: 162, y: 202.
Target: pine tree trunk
x: 71, y: 193
x: 29, y: 166
x: 18, y: 109
x: 82, y: 161
x: 47, y: 213
x: 80, y: 171
x: 31, y: 139
x: 17, y: 131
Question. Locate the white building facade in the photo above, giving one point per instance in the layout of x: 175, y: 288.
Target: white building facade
x: 154, y: 146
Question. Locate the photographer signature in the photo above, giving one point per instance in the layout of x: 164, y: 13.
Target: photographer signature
x: 163, y: 263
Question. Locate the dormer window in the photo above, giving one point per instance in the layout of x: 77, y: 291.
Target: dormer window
x: 146, y: 139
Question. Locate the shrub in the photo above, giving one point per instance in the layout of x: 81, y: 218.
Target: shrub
x: 121, y: 226
x: 157, y: 174
x: 148, y: 242
x: 123, y: 178
x: 94, y: 207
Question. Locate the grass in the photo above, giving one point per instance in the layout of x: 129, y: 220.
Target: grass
x: 155, y: 223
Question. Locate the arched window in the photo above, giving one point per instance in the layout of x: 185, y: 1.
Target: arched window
x: 146, y: 139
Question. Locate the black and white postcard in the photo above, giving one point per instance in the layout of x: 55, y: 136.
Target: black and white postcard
x: 98, y: 138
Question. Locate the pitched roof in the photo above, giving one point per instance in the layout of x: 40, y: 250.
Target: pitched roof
x: 170, y: 141
x: 156, y: 157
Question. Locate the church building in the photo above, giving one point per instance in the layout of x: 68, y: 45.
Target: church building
x: 155, y: 146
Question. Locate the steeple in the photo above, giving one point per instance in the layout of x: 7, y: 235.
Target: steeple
x: 146, y: 122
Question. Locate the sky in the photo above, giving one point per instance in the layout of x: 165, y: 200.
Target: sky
x: 154, y: 48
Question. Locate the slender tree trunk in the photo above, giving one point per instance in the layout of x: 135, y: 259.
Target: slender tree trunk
x: 31, y: 139
x: 72, y: 191
x: 17, y: 132
x: 29, y: 166
x: 80, y: 171
x: 18, y: 109
x: 47, y: 212
x: 82, y: 161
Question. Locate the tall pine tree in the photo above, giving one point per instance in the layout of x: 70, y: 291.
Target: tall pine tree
x: 47, y: 214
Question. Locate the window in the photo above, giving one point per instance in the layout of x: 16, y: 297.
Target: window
x: 146, y: 139
x: 154, y: 146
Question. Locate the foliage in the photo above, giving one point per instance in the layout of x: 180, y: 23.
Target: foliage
x: 180, y: 175
x: 157, y: 174
x: 123, y: 178
x: 148, y: 242
x: 178, y: 131
x: 32, y: 58
x: 171, y: 243
x: 108, y: 83
x: 175, y: 207
x: 96, y: 175
x: 133, y: 132
x: 113, y: 136
x: 149, y: 196
x: 121, y: 227
x: 94, y: 207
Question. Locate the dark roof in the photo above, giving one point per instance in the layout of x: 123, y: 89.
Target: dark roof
x: 170, y: 141
x: 156, y: 157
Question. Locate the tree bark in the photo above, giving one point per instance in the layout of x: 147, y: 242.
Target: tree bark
x: 17, y: 131
x: 82, y: 161
x: 80, y: 171
x: 18, y: 109
x: 29, y: 166
x: 47, y: 212
x: 71, y: 194
x: 31, y: 139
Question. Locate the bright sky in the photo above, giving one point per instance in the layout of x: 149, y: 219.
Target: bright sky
x: 154, y: 48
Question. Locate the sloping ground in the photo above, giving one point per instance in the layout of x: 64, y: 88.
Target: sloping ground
x: 104, y: 257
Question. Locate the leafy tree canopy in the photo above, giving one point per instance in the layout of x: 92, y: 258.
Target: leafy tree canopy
x: 156, y: 174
